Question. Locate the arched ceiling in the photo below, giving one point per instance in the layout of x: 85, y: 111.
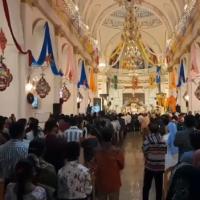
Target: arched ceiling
x: 105, y: 19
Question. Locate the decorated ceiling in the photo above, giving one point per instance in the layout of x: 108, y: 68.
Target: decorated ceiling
x: 158, y: 20
x: 145, y: 17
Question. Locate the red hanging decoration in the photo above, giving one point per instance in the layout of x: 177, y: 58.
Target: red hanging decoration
x: 42, y: 87
x: 65, y: 93
x: 3, y: 41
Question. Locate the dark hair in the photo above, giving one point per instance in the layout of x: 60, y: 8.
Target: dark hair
x: 24, y: 171
x: 165, y: 119
x: 37, y: 147
x: 73, y: 121
x: 153, y: 127
x: 195, y: 139
x: 2, y: 122
x: 34, y: 127
x: 16, y: 130
x: 189, y: 121
x: 23, y: 122
x: 49, y: 126
x: 72, y: 151
x: 107, y: 134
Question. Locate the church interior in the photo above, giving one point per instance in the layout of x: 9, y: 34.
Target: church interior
x: 132, y: 56
x: 78, y: 57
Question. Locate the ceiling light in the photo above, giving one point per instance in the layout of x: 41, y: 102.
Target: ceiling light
x: 87, y: 27
x: 102, y: 64
x: 28, y: 87
x: 76, y: 8
x: 186, y: 6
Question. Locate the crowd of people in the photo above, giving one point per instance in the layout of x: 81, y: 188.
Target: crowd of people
x: 45, y: 163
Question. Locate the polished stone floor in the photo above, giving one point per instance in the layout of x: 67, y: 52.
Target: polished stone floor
x: 132, y: 175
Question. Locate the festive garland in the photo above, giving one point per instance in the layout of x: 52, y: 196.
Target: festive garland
x: 46, y: 47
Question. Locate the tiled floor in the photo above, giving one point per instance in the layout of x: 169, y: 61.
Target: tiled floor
x: 132, y: 175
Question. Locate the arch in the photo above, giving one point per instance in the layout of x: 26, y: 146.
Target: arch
x: 36, y: 23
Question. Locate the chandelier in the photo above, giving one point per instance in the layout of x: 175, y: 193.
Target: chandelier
x: 131, y: 55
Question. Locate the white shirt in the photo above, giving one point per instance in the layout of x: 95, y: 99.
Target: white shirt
x: 74, y: 181
x: 38, y: 193
x: 30, y: 135
x: 73, y: 134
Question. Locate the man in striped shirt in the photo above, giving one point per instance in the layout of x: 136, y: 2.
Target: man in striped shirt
x: 73, y: 134
x: 12, y: 151
x: 154, y: 152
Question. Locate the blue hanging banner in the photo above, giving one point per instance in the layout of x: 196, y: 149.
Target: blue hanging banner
x: 83, y: 79
x: 158, y: 74
x: 181, y: 78
x: 47, y: 52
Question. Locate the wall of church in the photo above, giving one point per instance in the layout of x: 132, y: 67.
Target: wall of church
x: 28, y: 26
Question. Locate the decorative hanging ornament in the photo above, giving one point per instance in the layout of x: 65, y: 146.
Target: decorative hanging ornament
x: 3, y: 41
x: 5, y: 75
x: 65, y: 93
x: 42, y: 87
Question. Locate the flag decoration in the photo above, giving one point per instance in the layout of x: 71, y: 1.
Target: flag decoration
x: 173, y: 79
x: 46, y: 50
x: 181, y: 79
x: 71, y: 72
x: 114, y: 82
x: 92, y: 81
x: 83, y: 79
x: 195, y: 62
x: 152, y: 80
x: 158, y: 74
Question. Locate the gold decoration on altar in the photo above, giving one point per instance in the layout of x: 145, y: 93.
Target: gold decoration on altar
x: 42, y: 87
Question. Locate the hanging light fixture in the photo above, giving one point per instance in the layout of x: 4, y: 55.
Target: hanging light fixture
x: 131, y: 55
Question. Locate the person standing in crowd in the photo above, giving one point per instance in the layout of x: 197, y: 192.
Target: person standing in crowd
x: 89, y: 145
x: 73, y: 134
x: 171, y: 157
x: 24, y: 188
x: 116, y: 126
x: 154, y: 152
x: 3, y: 135
x: 12, y: 151
x: 144, y: 122
x: 108, y: 163
x: 63, y: 125
x: 182, y: 138
x: 54, y: 153
x: 187, y: 157
x: 185, y: 181
x: 46, y: 171
x: 34, y: 130
x: 74, y: 180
